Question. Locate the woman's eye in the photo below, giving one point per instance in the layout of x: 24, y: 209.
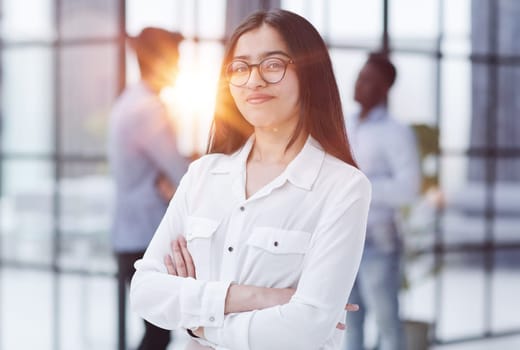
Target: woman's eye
x: 273, y: 65
x: 239, y: 68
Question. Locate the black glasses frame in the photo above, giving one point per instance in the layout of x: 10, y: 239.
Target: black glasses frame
x: 259, y: 68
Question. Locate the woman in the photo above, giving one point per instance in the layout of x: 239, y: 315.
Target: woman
x: 274, y: 216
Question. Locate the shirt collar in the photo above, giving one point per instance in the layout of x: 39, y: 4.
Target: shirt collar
x: 302, y: 171
x: 235, y: 160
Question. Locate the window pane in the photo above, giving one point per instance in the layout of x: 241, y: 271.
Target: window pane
x: 508, y: 28
x: 27, y: 20
x: 88, y: 18
x: 508, y: 107
x: 27, y: 100
x: 457, y: 27
x: 297, y: 6
x: 454, y: 170
x: 27, y: 210
x: 455, y: 104
x: 347, y: 64
x: 463, y: 220
x: 463, y: 308
x: 466, y: 202
x: 211, y: 18
x: 86, y: 209
x: 508, y: 169
x: 86, y: 97
x: 414, y: 24
x: 158, y: 13
x: 26, y: 304
x: 313, y: 11
x: 356, y: 22
x: 186, y: 18
x: 412, y: 99
x: 480, y: 93
x: 504, y: 37
x: 502, y: 123
x: 88, y: 308
x: 420, y: 284
x: 506, y: 288
x: 480, y: 30
x: 414, y: 19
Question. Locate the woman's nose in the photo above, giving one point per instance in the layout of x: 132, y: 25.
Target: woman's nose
x: 255, y: 79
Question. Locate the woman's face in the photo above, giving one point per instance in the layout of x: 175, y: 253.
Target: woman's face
x: 269, y: 106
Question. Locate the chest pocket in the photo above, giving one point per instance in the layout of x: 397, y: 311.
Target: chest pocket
x: 275, y: 257
x: 199, y: 234
x: 278, y: 241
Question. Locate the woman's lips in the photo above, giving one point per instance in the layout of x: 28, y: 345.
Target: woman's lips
x: 258, y: 98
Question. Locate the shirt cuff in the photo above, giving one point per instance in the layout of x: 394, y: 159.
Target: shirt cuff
x: 213, y: 304
x: 213, y: 335
x: 234, y: 334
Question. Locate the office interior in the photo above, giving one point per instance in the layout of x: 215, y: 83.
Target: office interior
x: 63, y: 63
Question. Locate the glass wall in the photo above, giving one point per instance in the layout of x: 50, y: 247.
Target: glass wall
x: 64, y: 62
x: 60, y: 76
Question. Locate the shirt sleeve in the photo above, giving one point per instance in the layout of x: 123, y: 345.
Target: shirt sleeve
x: 158, y: 141
x: 401, y: 185
x: 173, y: 302
x: 329, y: 271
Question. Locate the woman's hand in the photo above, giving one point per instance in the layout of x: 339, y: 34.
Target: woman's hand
x: 349, y: 308
x: 180, y: 263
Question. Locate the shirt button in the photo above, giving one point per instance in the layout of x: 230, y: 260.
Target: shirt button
x: 276, y: 244
x: 212, y: 319
x: 230, y: 249
x: 242, y: 208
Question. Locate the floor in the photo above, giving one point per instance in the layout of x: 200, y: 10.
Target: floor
x: 85, y: 318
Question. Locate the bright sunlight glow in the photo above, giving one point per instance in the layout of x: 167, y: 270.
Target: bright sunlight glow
x: 191, y: 101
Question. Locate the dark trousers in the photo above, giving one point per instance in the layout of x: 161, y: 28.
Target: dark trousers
x: 154, y: 338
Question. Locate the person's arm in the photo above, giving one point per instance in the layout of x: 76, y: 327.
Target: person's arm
x: 158, y: 141
x: 173, y: 302
x: 165, y: 187
x: 329, y: 271
x: 240, y: 298
x: 401, y: 187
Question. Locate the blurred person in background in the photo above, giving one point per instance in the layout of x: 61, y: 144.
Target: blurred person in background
x: 145, y: 163
x: 386, y: 152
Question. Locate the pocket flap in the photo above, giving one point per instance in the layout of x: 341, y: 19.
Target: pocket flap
x: 278, y: 241
x: 198, y: 227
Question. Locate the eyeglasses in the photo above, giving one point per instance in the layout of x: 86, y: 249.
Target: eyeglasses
x: 271, y: 70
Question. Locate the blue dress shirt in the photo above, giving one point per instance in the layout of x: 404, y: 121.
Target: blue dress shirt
x: 141, y: 145
x: 386, y: 151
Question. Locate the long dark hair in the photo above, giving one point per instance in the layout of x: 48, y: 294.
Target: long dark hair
x: 321, y: 114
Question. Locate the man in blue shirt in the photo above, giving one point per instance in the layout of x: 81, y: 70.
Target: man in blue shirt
x: 145, y: 162
x: 386, y: 152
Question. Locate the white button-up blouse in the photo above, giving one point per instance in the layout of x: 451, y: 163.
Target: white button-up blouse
x: 305, y: 230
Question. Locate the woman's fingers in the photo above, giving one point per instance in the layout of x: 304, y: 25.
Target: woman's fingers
x: 169, y: 265
x: 180, y: 263
x: 352, y: 307
x: 178, y: 259
x: 190, y: 266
